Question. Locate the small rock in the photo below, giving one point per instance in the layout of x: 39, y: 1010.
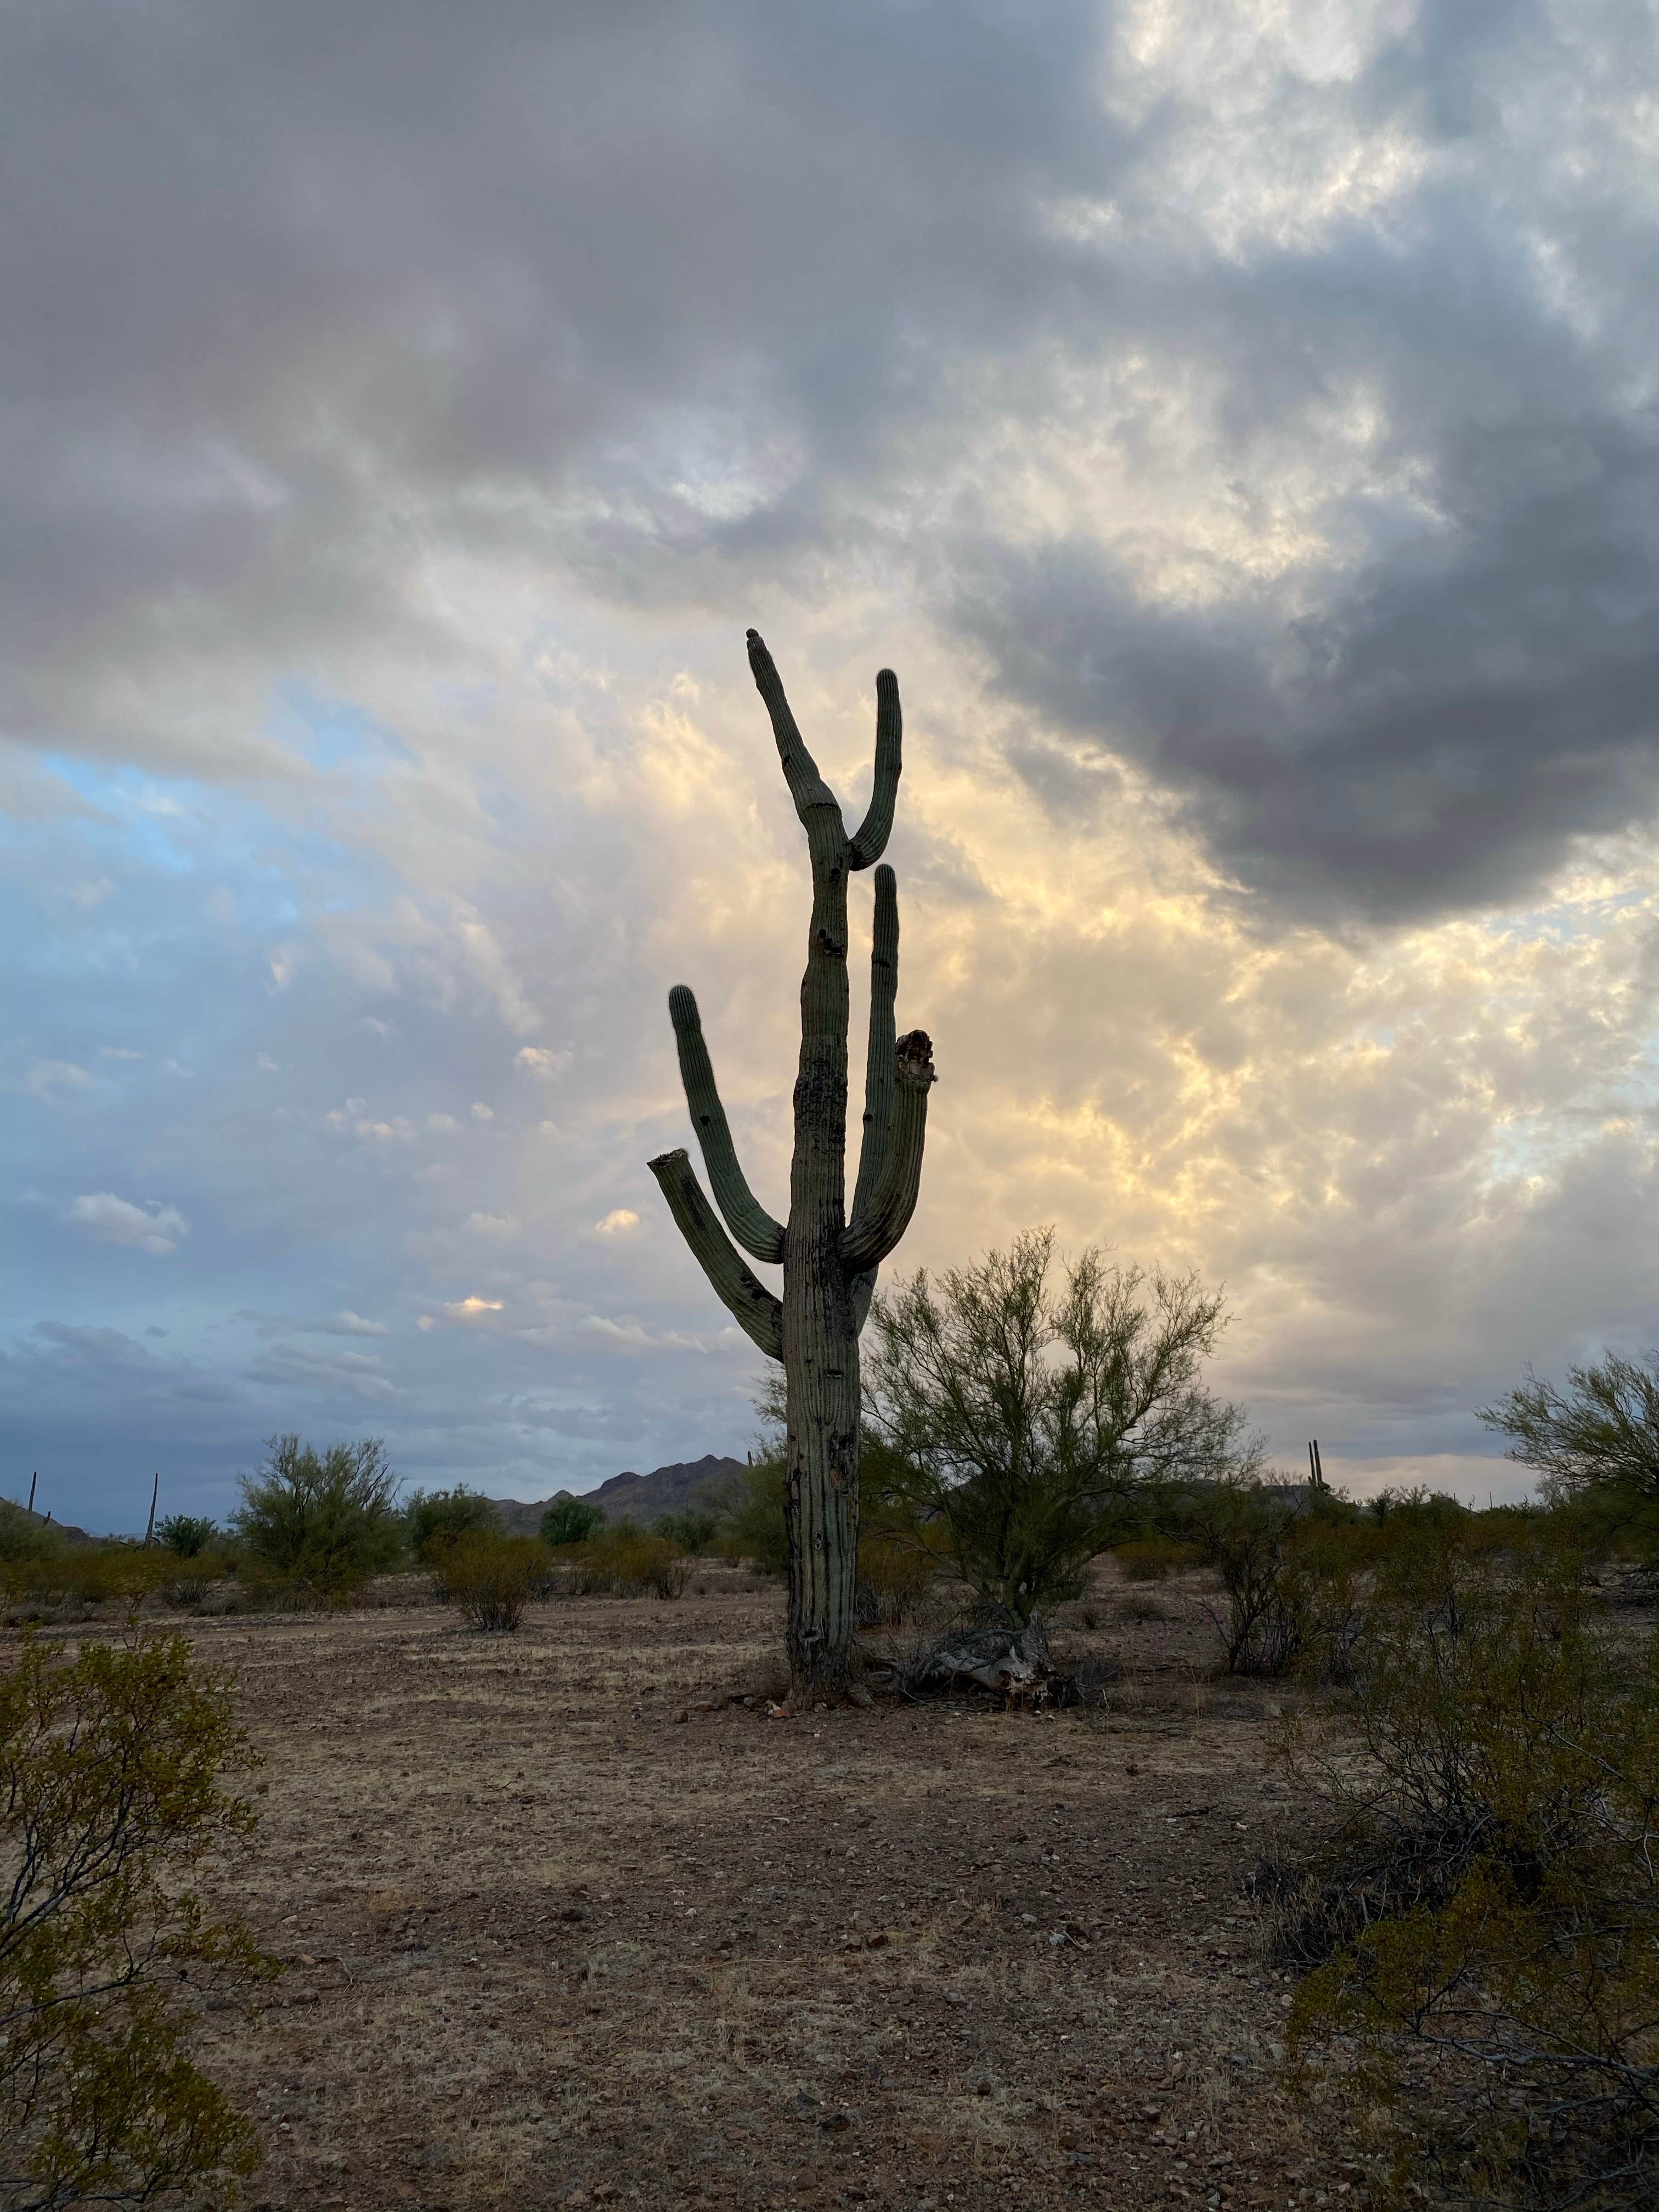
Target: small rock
x: 681, y: 1716
x: 875, y: 1942
x: 833, y: 2123
x: 858, y: 1695
x: 979, y: 2081
x: 573, y: 1912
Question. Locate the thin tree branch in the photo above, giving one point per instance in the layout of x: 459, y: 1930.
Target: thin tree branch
x: 747, y: 1299
x: 745, y: 1216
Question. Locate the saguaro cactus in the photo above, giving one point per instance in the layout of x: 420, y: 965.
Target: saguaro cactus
x: 829, y: 1261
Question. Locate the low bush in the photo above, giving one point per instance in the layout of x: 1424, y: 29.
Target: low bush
x: 692, y: 1532
x: 625, y: 1561
x: 112, y: 1762
x: 319, y: 1524
x: 23, y: 1537
x: 491, y: 1577
x: 1479, y: 1930
x: 435, y: 1518
x: 571, y: 1520
x: 186, y: 1535
x: 82, y: 1575
x: 1154, y: 1558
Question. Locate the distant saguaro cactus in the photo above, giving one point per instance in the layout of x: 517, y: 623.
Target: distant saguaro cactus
x: 828, y: 1262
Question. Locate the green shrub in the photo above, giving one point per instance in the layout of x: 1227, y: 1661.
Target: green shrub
x: 571, y: 1520
x: 491, y: 1577
x: 119, y: 1573
x: 692, y: 1532
x: 321, y: 1523
x: 433, y: 1518
x: 186, y: 1535
x: 23, y: 1537
x: 1481, y: 1925
x: 624, y: 1561
x: 111, y: 1766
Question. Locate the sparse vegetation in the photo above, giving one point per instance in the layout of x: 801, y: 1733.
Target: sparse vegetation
x: 113, y: 1761
x: 1480, y: 1929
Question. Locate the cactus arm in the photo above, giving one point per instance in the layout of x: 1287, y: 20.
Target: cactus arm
x: 876, y: 1229
x: 877, y: 1067
x: 870, y: 838
x: 747, y: 1299
x: 800, y: 771
x: 878, y: 1056
x: 745, y: 1216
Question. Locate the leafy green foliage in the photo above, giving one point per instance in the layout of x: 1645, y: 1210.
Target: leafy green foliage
x: 110, y: 1762
x: 1596, y: 1444
x: 1482, y: 1924
x: 491, y: 1577
x: 186, y: 1535
x: 1033, y: 1421
x: 692, y: 1532
x: 322, y: 1523
x: 571, y: 1520
x: 23, y: 1537
x: 433, y: 1518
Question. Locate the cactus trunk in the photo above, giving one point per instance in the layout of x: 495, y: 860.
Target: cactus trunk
x: 828, y: 1262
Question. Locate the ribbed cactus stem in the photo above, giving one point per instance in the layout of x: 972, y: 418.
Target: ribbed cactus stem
x: 876, y: 1226
x: 829, y: 1268
x: 745, y: 1297
x: 745, y: 1216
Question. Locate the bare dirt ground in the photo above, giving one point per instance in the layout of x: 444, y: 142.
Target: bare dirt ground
x: 565, y: 1925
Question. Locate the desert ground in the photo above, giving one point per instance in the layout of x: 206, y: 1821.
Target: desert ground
x: 566, y: 1922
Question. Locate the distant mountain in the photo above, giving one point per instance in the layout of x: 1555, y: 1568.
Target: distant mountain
x: 632, y: 1496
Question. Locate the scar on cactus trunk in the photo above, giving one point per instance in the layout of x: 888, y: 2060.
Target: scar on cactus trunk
x: 829, y: 1261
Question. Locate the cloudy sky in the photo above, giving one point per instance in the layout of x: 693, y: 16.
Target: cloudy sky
x: 1235, y: 420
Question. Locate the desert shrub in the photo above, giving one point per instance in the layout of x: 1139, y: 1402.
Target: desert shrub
x: 320, y: 1524
x: 625, y: 1561
x: 1480, y: 1929
x: 895, y: 1578
x: 1036, y: 1412
x: 692, y: 1532
x: 111, y: 1808
x: 23, y: 1537
x: 115, y: 1574
x: 491, y: 1577
x: 1154, y: 1558
x: 1292, y: 1569
x: 571, y: 1520
x: 186, y: 1535
x: 435, y: 1518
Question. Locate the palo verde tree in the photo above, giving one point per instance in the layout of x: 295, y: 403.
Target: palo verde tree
x: 829, y: 1260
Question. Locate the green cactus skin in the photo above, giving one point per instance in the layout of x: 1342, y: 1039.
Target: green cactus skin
x: 829, y: 1263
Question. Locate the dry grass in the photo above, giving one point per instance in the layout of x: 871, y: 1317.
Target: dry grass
x: 569, y: 1926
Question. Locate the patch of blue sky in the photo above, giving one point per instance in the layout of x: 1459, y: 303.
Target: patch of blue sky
x: 336, y: 735
x: 277, y: 869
